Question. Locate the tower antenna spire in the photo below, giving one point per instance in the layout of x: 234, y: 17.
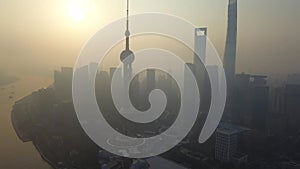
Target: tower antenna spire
x: 127, y: 56
x: 127, y: 21
x: 127, y: 33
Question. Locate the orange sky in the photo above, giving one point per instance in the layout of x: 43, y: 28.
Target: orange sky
x: 39, y: 36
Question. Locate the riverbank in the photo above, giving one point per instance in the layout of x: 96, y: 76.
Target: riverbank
x: 14, y: 153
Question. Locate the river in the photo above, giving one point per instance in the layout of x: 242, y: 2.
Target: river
x: 14, y: 154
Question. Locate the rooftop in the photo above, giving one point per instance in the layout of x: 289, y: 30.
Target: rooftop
x: 229, y: 128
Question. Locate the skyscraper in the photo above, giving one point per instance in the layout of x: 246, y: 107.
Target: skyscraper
x: 230, y: 57
x: 150, y: 79
x: 230, y: 49
x: 200, y: 44
x: 200, y: 67
x: 250, y: 101
x: 227, y: 138
x: 226, y: 144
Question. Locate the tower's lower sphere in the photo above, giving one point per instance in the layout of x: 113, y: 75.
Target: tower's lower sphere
x: 127, y: 56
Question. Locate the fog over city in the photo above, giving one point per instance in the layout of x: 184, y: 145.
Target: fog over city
x: 244, y: 97
x: 40, y: 36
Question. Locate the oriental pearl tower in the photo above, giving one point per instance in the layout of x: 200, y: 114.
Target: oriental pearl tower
x: 127, y: 56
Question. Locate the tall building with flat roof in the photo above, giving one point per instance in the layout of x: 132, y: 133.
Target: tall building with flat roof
x: 226, y: 144
x: 227, y: 141
x: 63, y: 83
x: 292, y: 106
x: 251, y: 100
x: 150, y: 79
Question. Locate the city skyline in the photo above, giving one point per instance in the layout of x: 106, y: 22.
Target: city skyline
x: 91, y: 115
x: 267, y: 38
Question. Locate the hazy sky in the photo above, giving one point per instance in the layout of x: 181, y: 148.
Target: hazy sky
x: 38, y: 36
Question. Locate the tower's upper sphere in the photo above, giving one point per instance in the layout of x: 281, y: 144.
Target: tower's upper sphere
x: 127, y: 56
x: 127, y: 33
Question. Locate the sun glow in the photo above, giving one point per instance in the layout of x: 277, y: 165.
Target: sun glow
x: 77, y: 12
